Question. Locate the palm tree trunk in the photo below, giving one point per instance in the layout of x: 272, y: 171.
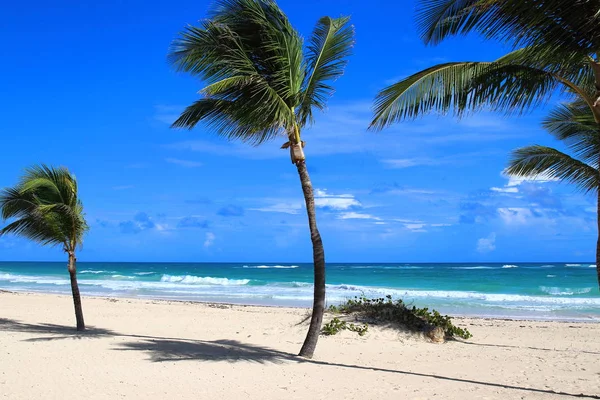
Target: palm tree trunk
x: 75, y: 290
x: 310, y: 343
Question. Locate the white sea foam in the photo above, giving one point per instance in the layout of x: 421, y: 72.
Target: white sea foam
x: 547, y: 266
x: 572, y: 265
x: 144, y: 273
x: 122, y: 277
x: 97, y: 272
x: 510, y: 266
x: 201, y: 280
x: 557, y: 291
x: 478, y: 267
x: 270, y: 266
x: 44, y: 280
x: 592, y: 266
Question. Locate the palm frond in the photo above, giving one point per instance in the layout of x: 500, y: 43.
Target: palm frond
x: 251, y: 58
x: 574, y: 124
x: 330, y: 45
x: 45, y: 207
x: 569, y: 24
x: 441, y: 88
x: 246, y: 119
x: 514, y: 84
x: 533, y: 161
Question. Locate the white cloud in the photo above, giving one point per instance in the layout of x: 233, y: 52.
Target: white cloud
x: 184, y: 163
x: 408, y: 162
x: 505, y: 190
x: 335, y: 202
x: 286, y: 208
x: 210, y: 239
x: 512, y: 186
x: 355, y: 215
x: 516, y: 181
x: 515, y: 215
x: 487, y: 244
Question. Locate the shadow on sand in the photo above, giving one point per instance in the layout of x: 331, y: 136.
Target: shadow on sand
x: 161, y: 349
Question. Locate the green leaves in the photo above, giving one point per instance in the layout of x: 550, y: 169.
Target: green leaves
x: 45, y: 207
x: 441, y: 88
x: 570, y: 24
x: 330, y: 45
x: 514, y: 84
x: 251, y: 58
x: 544, y: 161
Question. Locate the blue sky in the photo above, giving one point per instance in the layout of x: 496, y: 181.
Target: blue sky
x: 87, y: 85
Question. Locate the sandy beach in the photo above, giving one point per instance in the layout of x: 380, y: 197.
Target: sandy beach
x: 147, y: 349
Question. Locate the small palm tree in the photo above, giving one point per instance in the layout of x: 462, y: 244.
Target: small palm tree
x: 557, y: 45
x: 45, y: 208
x: 262, y: 85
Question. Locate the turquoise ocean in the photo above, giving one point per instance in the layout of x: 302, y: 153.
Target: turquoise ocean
x: 555, y: 291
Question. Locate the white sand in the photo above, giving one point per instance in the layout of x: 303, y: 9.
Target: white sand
x: 143, y: 349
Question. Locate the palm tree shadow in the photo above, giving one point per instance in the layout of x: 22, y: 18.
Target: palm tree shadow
x: 162, y: 349
x: 55, y: 332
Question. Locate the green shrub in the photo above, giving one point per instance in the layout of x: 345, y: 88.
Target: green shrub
x: 388, y: 310
x: 336, y: 325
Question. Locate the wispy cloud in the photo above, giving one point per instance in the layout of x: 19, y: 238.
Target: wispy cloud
x: 286, y: 208
x: 335, y: 202
x: 123, y: 187
x: 209, y: 239
x: 355, y: 215
x: 167, y: 114
x: 410, y: 162
x: 487, y: 244
x: 184, y: 163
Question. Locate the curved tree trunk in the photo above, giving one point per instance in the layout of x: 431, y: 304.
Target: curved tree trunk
x: 310, y: 343
x: 75, y: 290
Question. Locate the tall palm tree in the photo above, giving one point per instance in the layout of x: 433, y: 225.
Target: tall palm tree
x: 262, y: 85
x: 44, y: 207
x: 557, y: 45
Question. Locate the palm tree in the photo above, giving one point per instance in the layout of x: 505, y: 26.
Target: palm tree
x: 261, y: 85
x: 45, y: 208
x: 556, y: 49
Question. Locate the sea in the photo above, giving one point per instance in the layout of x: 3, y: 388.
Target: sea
x: 540, y: 291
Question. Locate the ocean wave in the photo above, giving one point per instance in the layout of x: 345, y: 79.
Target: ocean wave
x: 478, y: 267
x: 592, y: 266
x: 510, y: 266
x: 557, y: 291
x: 547, y: 266
x: 270, y: 266
x: 43, y: 280
x: 201, y: 280
x: 550, y: 276
x: 144, y: 273
x: 122, y: 277
x: 97, y: 272
x: 572, y: 265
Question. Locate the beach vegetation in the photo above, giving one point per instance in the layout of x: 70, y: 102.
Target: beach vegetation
x: 555, y: 52
x: 387, y: 310
x: 337, y: 325
x: 263, y: 83
x: 44, y: 206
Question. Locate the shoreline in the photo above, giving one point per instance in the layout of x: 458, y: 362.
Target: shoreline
x: 308, y: 308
